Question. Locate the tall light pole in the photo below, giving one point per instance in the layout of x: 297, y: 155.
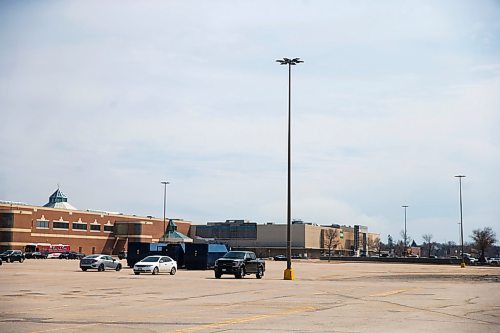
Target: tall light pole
x: 164, y: 204
x: 289, y: 274
x: 404, y: 249
x: 461, y: 220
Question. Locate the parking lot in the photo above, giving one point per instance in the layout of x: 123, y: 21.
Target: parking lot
x: 56, y: 296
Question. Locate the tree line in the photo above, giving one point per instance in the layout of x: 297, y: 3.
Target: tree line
x: 481, y: 245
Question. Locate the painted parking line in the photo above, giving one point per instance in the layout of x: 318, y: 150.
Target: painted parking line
x: 65, y: 328
x: 245, y: 319
x: 390, y: 292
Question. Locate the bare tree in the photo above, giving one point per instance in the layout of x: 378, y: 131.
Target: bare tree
x: 406, y: 242
x: 374, y: 244
x: 450, y: 245
x: 428, y: 240
x: 390, y: 243
x: 483, y: 239
x: 331, y: 240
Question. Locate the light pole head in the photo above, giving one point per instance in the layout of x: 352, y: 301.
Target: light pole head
x: 405, y: 206
x: 165, y: 183
x: 287, y: 61
x: 460, y: 176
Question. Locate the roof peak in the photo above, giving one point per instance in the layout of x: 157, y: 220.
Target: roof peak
x: 58, y: 200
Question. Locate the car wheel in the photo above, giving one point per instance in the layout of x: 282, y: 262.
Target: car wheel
x: 241, y: 273
x: 260, y: 273
x: 172, y: 271
x: 155, y: 271
x: 84, y: 269
x: 118, y: 267
x: 218, y: 274
x: 100, y: 268
x: 137, y: 273
x: 11, y: 259
x: 21, y: 260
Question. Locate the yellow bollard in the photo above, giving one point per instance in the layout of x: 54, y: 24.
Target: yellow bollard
x: 289, y: 274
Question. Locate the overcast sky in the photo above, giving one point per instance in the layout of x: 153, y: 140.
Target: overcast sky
x: 395, y: 98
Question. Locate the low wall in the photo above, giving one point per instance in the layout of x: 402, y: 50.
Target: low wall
x: 435, y: 261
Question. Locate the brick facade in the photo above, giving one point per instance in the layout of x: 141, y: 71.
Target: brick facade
x: 85, y: 231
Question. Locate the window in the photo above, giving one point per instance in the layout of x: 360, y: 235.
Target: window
x: 61, y: 225
x: 95, y: 227
x: 79, y: 226
x: 42, y: 224
x: 108, y: 228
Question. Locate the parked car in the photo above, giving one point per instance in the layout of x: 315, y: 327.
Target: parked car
x: 53, y: 255
x: 280, y: 257
x: 12, y: 255
x: 155, y: 265
x: 471, y: 260
x: 494, y: 261
x: 38, y: 255
x: 99, y: 262
x: 72, y: 255
x: 122, y: 255
x: 239, y: 263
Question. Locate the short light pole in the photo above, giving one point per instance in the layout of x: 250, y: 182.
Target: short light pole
x: 289, y: 274
x: 404, y: 248
x: 461, y: 220
x: 164, y: 205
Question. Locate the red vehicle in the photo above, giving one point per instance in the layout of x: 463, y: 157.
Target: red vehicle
x: 45, y: 248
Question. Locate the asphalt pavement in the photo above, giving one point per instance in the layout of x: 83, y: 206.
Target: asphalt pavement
x: 55, y: 296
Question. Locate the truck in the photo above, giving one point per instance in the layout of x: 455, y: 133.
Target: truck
x: 239, y: 264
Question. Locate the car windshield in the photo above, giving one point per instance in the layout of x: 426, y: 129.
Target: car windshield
x: 8, y: 252
x: 92, y: 256
x: 150, y: 259
x: 235, y: 255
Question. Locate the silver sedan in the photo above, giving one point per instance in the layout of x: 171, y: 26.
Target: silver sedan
x: 99, y: 262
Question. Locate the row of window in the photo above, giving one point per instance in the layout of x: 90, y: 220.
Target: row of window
x: 43, y: 224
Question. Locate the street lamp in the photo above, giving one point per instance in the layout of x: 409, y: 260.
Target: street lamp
x: 289, y: 274
x: 461, y: 221
x: 164, y: 204
x: 404, y: 249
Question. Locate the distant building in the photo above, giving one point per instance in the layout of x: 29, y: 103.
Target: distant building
x: 309, y: 240
x: 415, y: 249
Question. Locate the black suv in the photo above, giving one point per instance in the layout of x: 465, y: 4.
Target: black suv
x: 12, y: 255
x: 239, y: 263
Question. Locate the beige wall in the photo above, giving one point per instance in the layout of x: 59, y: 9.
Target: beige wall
x: 313, y: 237
x: 303, y: 236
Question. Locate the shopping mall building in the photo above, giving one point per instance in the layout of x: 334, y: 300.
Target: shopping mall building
x: 58, y: 222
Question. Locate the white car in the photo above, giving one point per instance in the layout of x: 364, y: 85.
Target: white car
x: 53, y: 255
x: 494, y: 261
x: 155, y: 265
